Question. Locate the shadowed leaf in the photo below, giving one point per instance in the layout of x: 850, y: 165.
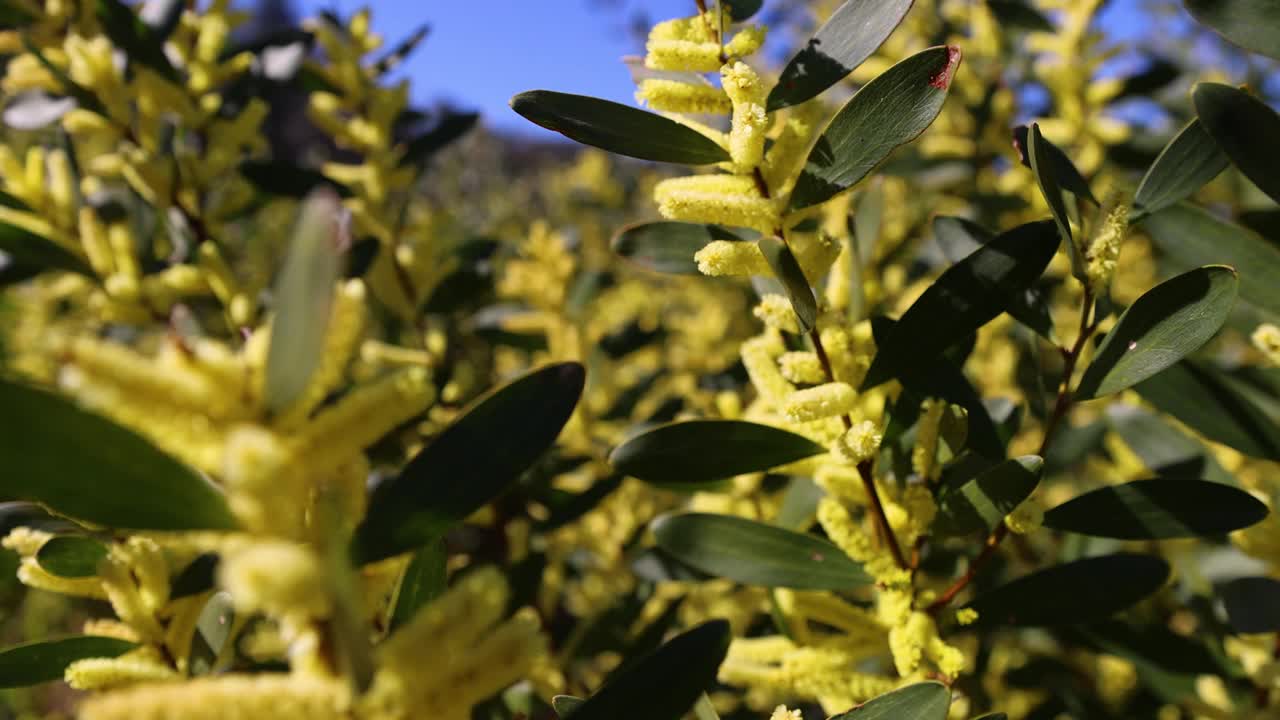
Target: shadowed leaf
x: 1081, y: 591
x: 1158, y: 508
x: 41, y: 662
x: 982, y: 503
x: 700, y: 451
x: 1243, y: 126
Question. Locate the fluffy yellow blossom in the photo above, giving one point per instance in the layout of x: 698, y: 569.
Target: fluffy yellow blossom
x: 1103, y: 248
x: 750, y: 121
x: 782, y: 713
x: 732, y: 200
x: 1266, y: 337
x: 287, y: 697
x: 683, y: 97
x: 775, y: 311
x: 801, y: 367
x: 924, y: 454
x: 822, y: 401
x: 859, y: 443
x: 726, y: 257
x: 276, y: 577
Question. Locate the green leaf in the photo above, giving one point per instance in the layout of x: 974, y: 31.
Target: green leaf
x: 424, y: 580
x: 1064, y: 172
x: 701, y: 451
x: 1162, y: 448
x: 799, y: 503
x: 1243, y: 126
x: 1252, y: 603
x: 1203, y: 398
x: 755, y: 553
x: 666, y: 246
x: 213, y: 630
x: 140, y: 42
x: 470, y: 463
x: 787, y: 269
x: 968, y: 295
x: 853, y: 32
x: 1251, y: 24
x: 1042, y: 163
x: 1158, y: 508
x: 617, y: 128
x: 84, y: 466
x: 664, y: 684
x: 71, y: 556
x: 1189, y: 237
x: 891, y: 110
x: 959, y: 238
x: 196, y: 578
x: 1169, y: 322
x: 919, y: 701
x: 982, y: 503
x: 1186, y: 164
x: 451, y: 127
x: 1018, y: 15
x: 31, y: 250
x: 564, y: 705
x: 400, y: 52
x: 304, y: 300
x: 1084, y: 590
x: 41, y: 662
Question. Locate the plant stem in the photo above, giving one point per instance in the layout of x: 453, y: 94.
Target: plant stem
x: 1088, y: 324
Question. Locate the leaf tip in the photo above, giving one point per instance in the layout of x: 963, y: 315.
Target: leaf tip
x: 941, y: 79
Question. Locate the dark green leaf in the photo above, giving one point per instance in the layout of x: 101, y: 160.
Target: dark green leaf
x: 1063, y: 171
x: 1162, y: 448
x: 617, y: 128
x: 665, y: 246
x: 1251, y: 24
x: 1158, y: 508
x: 142, y: 44
x: 400, y: 52
x: 286, y: 180
x: 701, y: 451
x: 1204, y: 399
x: 471, y: 462
x: 968, y: 295
x: 196, y: 578
x: 71, y: 556
x: 891, y: 110
x: 1190, y: 237
x: 1073, y: 444
x: 1187, y: 163
x: 1018, y: 15
x: 739, y: 10
x: 1169, y: 322
x: 787, y: 269
x: 566, y: 704
x: 982, y: 503
x: 424, y: 580
x: 574, y: 506
x: 664, y: 684
x: 1252, y: 603
x: 41, y: 662
x: 920, y: 701
x: 1084, y: 590
x: 451, y: 127
x: 87, y: 467
x: 1042, y: 163
x: 853, y: 32
x: 755, y: 553
x: 303, y: 300
x: 30, y: 250
x: 1243, y: 126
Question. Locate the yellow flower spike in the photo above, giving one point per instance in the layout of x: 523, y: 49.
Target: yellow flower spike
x: 147, y: 563
x: 26, y: 541
x: 859, y: 444
x: 217, y: 273
x: 454, y: 621
x: 966, y: 616
x: 183, y: 616
x: 801, y: 367
x: 128, y: 669
x: 842, y: 482
x: 104, y: 627
x: 855, y: 622
x: 750, y: 121
x: 1103, y: 248
x: 907, y: 642
x: 747, y: 41
x: 782, y: 713
x: 847, y: 365
x: 823, y: 401
x: 856, y: 543
x: 682, y: 97
x: 728, y: 258
x: 682, y: 44
x: 32, y: 575
x: 1266, y: 338
x: 758, y: 358
x: 718, y: 199
x: 265, y: 485
x: 790, y: 147
x: 274, y: 695
x: 61, y: 185
x: 126, y: 600
x: 276, y: 577
x: 924, y: 454
x: 33, y: 176
x: 775, y: 311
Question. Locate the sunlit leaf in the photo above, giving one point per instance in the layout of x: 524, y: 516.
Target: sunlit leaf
x: 919, y: 701
x: 1187, y: 163
x: 982, y: 503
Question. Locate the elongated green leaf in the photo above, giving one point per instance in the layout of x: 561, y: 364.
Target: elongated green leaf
x: 1187, y: 163
x: 1158, y: 508
x: 1189, y: 237
x: 565, y: 704
x: 967, y: 296
x: 850, y: 35
x: 1064, y: 173
x: 665, y: 246
x: 87, y: 467
x: 1164, y: 449
x: 424, y: 580
x: 1244, y: 127
x: 140, y: 42
x: 755, y: 553
x: 891, y: 110
x: 982, y: 503
x: 71, y: 556
x: 921, y: 701
x: 1204, y: 399
x: 471, y: 462
x: 701, y: 451
x: 304, y: 299
x: 1169, y: 322
x: 739, y: 10
x: 1252, y: 603
x: 1041, y: 159
x: 1093, y: 588
x: 31, y: 250
x: 196, y: 578
x: 1251, y: 24
x: 788, y: 271
x: 617, y: 128
x: 959, y: 238
x: 1019, y: 15
x: 451, y: 127
x: 41, y: 662
x: 664, y: 684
